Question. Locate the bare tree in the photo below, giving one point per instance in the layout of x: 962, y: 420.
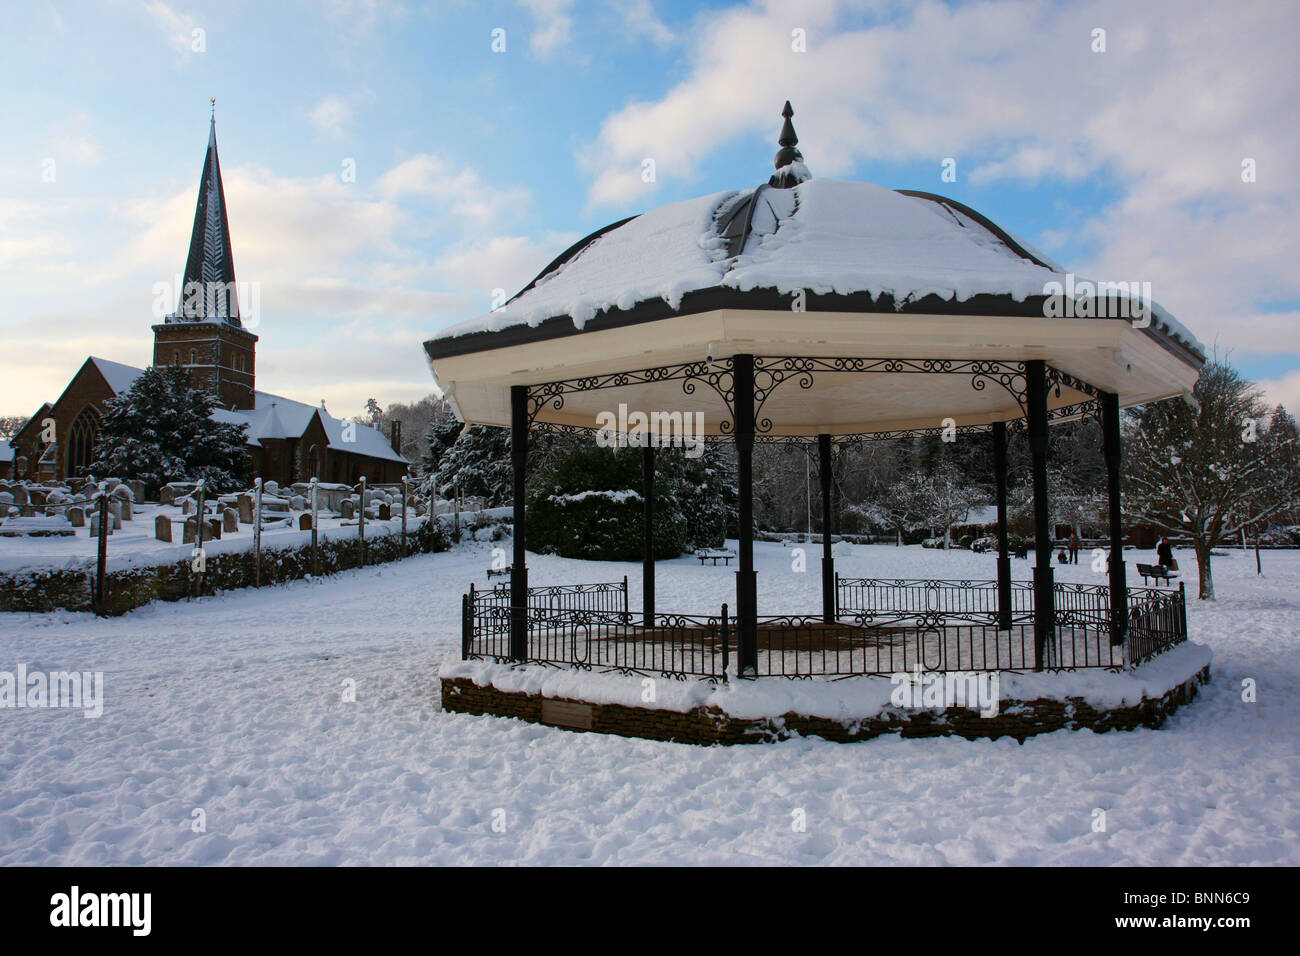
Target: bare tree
x: 1207, y: 472
x: 11, y: 425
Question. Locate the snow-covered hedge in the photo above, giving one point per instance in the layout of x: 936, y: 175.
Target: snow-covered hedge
x: 129, y: 588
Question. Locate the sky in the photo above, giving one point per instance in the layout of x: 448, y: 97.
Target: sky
x: 391, y: 167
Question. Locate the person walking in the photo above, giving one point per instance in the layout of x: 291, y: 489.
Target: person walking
x: 1074, y: 547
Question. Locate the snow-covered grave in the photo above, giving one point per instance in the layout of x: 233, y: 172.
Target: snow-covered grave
x: 138, y: 538
x: 238, y: 705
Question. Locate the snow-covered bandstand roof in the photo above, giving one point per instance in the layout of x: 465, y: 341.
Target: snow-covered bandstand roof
x: 797, y: 266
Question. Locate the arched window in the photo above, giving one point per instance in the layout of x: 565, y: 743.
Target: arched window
x: 192, y: 355
x: 81, y: 440
x: 176, y: 358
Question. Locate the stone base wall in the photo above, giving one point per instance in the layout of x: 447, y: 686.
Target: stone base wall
x: 1018, y: 719
x: 71, y: 589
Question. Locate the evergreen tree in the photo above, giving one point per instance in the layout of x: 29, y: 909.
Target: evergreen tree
x: 161, y: 430
x: 477, y: 462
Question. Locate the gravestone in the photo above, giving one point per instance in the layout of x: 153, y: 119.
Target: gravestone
x: 187, y: 533
x: 230, y: 520
x: 212, y: 529
x: 137, y: 489
x: 94, y: 525
x: 162, y: 528
x: 347, y: 508
x: 245, y: 504
x: 385, y: 511
x: 77, y: 517
x: 297, y: 502
x: 20, y: 495
x: 304, y: 521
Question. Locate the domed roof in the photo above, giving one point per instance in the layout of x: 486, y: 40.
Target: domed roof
x: 805, y: 267
x: 848, y: 246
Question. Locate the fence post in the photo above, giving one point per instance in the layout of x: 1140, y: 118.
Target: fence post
x: 1182, y: 608
x: 455, y: 494
x: 315, y: 520
x: 403, y: 516
x: 361, y: 522
x: 257, y: 532
x: 201, y: 518
x: 626, y: 617
x: 726, y: 643
x: 466, y: 623
x: 101, y: 566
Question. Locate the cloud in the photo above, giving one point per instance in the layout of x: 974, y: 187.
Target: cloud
x: 640, y: 20
x: 331, y: 117
x: 460, y: 189
x: 553, y: 25
x: 350, y: 279
x: 1016, y: 94
x: 1283, y: 391
x: 177, y: 27
x: 507, y: 263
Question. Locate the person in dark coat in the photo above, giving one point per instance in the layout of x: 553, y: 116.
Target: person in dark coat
x: 1165, y: 553
x: 1074, y: 547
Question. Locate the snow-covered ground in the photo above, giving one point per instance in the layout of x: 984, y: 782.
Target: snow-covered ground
x: 234, y: 705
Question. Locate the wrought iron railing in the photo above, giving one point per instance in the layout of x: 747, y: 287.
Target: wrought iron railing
x: 1157, y: 620
x: 894, y: 626
x: 974, y: 602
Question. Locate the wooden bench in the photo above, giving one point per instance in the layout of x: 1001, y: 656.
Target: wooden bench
x: 1157, y: 571
x: 715, y: 555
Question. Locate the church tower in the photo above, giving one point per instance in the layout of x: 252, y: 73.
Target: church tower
x: 204, y: 334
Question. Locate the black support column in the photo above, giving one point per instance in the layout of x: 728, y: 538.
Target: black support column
x: 519, y: 571
x: 1110, y: 446
x: 746, y: 578
x: 648, y: 548
x: 1044, y: 590
x: 828, y: 559
x: 1004, y: 558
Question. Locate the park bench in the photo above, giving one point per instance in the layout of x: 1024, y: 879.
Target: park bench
x: 1157, y: 571
x: 715, y: 555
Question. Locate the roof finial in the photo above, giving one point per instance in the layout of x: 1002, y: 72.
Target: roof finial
x: 213, y: 101
x: 785, y: 176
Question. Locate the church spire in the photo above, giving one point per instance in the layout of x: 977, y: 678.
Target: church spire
x: 209, y: 291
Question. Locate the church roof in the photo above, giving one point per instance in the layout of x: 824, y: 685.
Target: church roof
x: 208, y: 292
x: 118, y: 376
x: 272, y: 416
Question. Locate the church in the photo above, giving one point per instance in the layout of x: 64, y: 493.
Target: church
x: 288, y: 440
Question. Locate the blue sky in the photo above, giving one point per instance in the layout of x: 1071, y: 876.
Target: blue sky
x: 474, y: 167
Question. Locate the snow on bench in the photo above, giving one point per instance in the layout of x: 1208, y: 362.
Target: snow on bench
x: 715, y: 555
